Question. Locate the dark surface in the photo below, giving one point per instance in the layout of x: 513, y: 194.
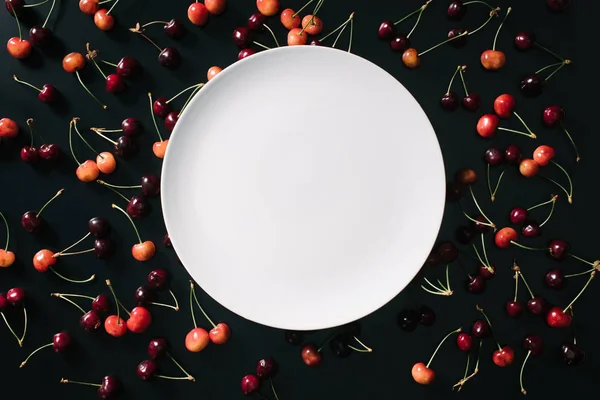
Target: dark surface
x: 384, y: 374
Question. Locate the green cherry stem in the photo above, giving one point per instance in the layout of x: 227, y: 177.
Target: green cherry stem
x: 423, y: 7
x: 559, y: 185
x: 49, y: 201
x: 185, y: 90
x: 312, y: 18
x: 593, y: 264
x: 81, y: 296
x: 49, y: 13
x: 192, y: 304
x: 592, y: 276
x: 338, y: 28
x: 528, y: 134
x: 508, y: 10
x: 101, y: 182
x: 553, y: 201
x: 442, y: 43
x: 153, y: 117
x: 524, y: 124
x: 570, y: 194
x: 63, y: 252
x: 418, y: 10
x: 351, y: 35
x: 11, y: 329
x: 16, y: 79
x: 517, y: 270
x: 475, y: 370
x: 189, y: 377
x: 33, y: 352
x: 120, y: 186
x: 493, y: 192
x: 174, y: 307
x: 60, y: 296
x: 113, y: 6
x: 480, y: 210
x: 30, y: 126
x: 521, y: 373
x: 273, y: 389
x: 490, y: 324
x: 461, y: 69
x: 566, y: 62
x: 478, y: 2
x: 16, y: 19
x: 440, y: 345
x: 104, y: 106
x: 302, y: 8
x: 261, y: 45
x: 365, y: 348
x: 91, y: 278
x: 338, y: 36
x: 493, y: 13
x: 7, y: 231
x: 71, y: 142
x: 75, y: 120
x: 573, y: 326
x: 461, y: 382
x: 272, y: 34
x: 548, y: 51
x: 91, y: 55
x: 99, y: 133
x: 516, y: 278
x: 63, y: 380
x: 200, y: 307
x: 114, y: 296
x: 190, y: 97
x: 571, y: 140
x: 155, y: 22
x: 456, y: 71
x: 137, y: 233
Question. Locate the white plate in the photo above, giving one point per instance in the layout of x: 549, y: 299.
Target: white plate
x: 303, y: 187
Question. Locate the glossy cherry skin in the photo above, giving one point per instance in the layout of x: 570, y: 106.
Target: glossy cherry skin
x: 169, y: 57
x: 513, y: 154
x: 158, y: 278
x: 198, y: 14
x: 475, y: 284
x: 456, y: 10
x: 109, y: 388
x: 531, y: 85
x: 245, y: 53
x: 90, y: 321
x: 480, y: 226
x: 400, y: 43
x: 487, y: 273
x: 101, y: 303
x: 18, y: 48
x: 147, y: 369
x: 504, y: 236
x: 8, y: 128
x: 250, y: 385
x: 143, y: 251
x: 421, y: 374
x: 559, y: 249
x: 296, y: 37
x: 104, y: 248
x: 528, y: 168
x: 61, y: 342
x: 555, y: 279
x: 257, y: 21
x: 43, y: 259
x: 131, y: 127
x: 481, y: 329
x: 524, y: 40
x: 157, y: 348
x: 196, y: 340
x: 472, y: 102
x: 49, y: 152
x: 488, y: 125
x: 428, y: 316
x: 103, y: 20
x: 39, y: 35
x: 128, y: 67
x: 48, y: 95
x: 15, y: 296
x: 144, y: 295
x: 160, y: 148
x: 534, y: 344
x: 571, y: 353
x: 167, y: 241
x: 552, y: 116
x: 13, y: 6
x: 503, y: 357
x: 99, y: 227
x: 115, y: 326
x: 268, y: 7
x: 175, y: 29
x: 408, y: 319
x: 531, y: 229
x: 311, y: 356
x: 537, y: 305
x: 543, y: 154
x: 170, y: 120
x: 31, y: 222
x: 558, y: 5
x: 87, y: 171
x: 464, y: 341
x: 493, y: 60
x: 150, y: 185
x: 266, y: 368
x: 518, y: 215
x: 294, y: 337
x: 556, y: 318
x: 220, y: 334
x: 3, y: 302
x: 242, y: 37
x: 160, y: 107
x: 138, y: 207
x: 386, y: 30
x: 410, y: 58
x: 139, y: 320
x: 494, y: 156
x: 7, y: 258
x: 449, y: 101
x: 514, y: 309
x: 460, y: 41
x: 89, y: 7
x: 504, y: 105
x: 115, y: 83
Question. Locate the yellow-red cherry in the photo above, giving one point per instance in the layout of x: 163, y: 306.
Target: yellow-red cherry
x: 143, y: 251
x: 268, y: 8
x: 115, y: 326
x: 220, y: 334
x: 88, y: 7
x: 43, y: 259
x: 312, y: 25
x: 196, y: 340
x: 410, y: 58
x: 106, y: 162
x: 528, y: 167
x: 7, y: 258
x: 493, y: 60
x: 504, y: 236
x: 197, y: 14
x: 18, y: 48
x: 543, y: 154
x: 504, y: 105
x: 73, y: 62
x: 87, y: 171
x: 215, y: 7
x: 139, y: 320
x: 296, y: 37
x: 160, y: 148
x: 421, y: 374
x: 212, y: 72
x: 289, y: 20
x: 8, y: 128
x: 103, y: 20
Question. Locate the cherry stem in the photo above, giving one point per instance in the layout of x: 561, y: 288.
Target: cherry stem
x: 187, y: 101
x: 593, y: 264
x: 443, y: 290
x: 367, y: 348
x: 517, y: 269
x: 342, y: 26
x: 26, y: 84
x: 516, y: 278
x: 11, y: 329
x: 508, y: 10
x: 137, y: 233
x: 109, y: 63
x: 442, y: 43
x: 99, y: 69
x: 154, y: 22
x: 521, y: 373
x: 572, y: 141
x: 339, y: 35
x: 33, y: 352
x: 552, y: 200
x: 16, y: 19
x: 466, y: 378
x: 192, y: 304
x: 312, y: 18
x: 150, y: 40
x: 49, y: 13
x: 63, y: 380
x: 530, y: 135
x: 106, y: 130
x: 180, y: 367
x: 423, y: 7
x: 82, y: 138
x: 71, y: 246
x: 490, y: 324
x: 272, y: 34
x: 549, y: 51
x: 570, y: 194
x: 114, y: 295
x: 7, y: 231
x: 493, y: 194
x: 351, y: 35
x: 302, y: 8
x: 418, y: 10
x: 71, y: 142
x: 329, y: 339
x: 175, y: 307
x: 551, y: 211
x: 549, y: 66
x: 440, y: 345
x: 580, y: 273
x: 452, y: 79
x: 50, y: 201
x: 35, y: 4
x: 526, y: 247
x: 101, y: 182
x: 200, y: 307
x: 113, y: 6
x: 493, y: 13
x: 103, y: 136
x: 120, y: 186
x: 592, y: 275
x: 480, y: 210
x: 31, y: 133
x: 104, y: 106
x: 462, y: 78
x: 82, y: 296
x: 91, y: 278
x: 77, y: 252
x: 566, y: 62
x: 185, y: 90
x: 177, y: 378
x: 60, y: 296
x: 524, y: 124
x: 153, y: 117
x: 273, y: 389
x: 261, y: 45
x: 477, y: 2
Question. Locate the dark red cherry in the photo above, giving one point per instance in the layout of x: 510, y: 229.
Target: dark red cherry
x: 128, y: 67
x: 169, y: 57
x: 465, y: 234
x: 464, y: 341
x: 242, y: 37
x: 537, y: 305
x: 315, y: 42
x: 3, y: 302
x: 138, y: 207
x: 559, y: 249
x: 13, y: 6
x: 428, y: 316
x: 150, y: 185
x: 131, y: 127
x: 481, y: 329
x: 386, y: 30
x: 109, y: 388
x: 31, y: 222
x: 553, y: 115
x: 475, y: 284
x: 266, y: 368
x: 126, y: 147
x: 487, y: 273
x: 49, y: 152
x: 518, y: 215
x: 513, y: 154
x: 157, y: 348
x: 144, y: 295
x: 15, y: 296
x: 458, y: 42
x: 555, y: 279
x: 175, y: 29
x: 101, y: 303
x: 170, y: 120
x: 160, y: 107
x: 29, y: 154
x: 447, y: 251
x: 104, y: 248
x: 250, y: 384
x: 246, y: 53
x: 558, y: 5
x: 494, y: 156
x: 514, y: 309
x: 534, y: 344
x: 449, y: 101
x: 256, y: 22
x: 147, y: 370
x: 454, y: 191
x: 531, y: 229
x: 434, y: 259
x: 456, y: 10
x: 115, y: 83
x: 90, y: 321
x: 294, y: 337
x: 524, y: 40
x: 408, y: 319
x: 400, y: 43
x: 571, y: 353
x: 99, y: 227
x: 167, y: 241
x: 61, y: 342
x: 158, y: 279
x: 531, y: 85
x: 480, y: 226
x: 39, y: 35
x: 49, y: 94
x: 472, y: 102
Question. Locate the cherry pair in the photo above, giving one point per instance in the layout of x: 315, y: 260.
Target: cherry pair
x: 198, y: 12
x: 450, y: 100
x: 149, y: 369
x: 198, y: 338
x: 408, y: 319
x: 168, y: 57
x: 400, y: 42
x: 529, y: 226
x: 109, y: 389
x: 31, y: 154
x: 457, y: 10
x: 542, y: 156
x: 504, y: 107
x: 554, y: 116
x: 14, y: 297
x: 89, y: 170
x: 266, y: 369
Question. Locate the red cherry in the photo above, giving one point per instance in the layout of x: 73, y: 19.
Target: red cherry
x: 543, y: 154
x: 556, y: 318
x: 245, y: 53
x: 18, y: 48
x: 504, y: 105
x: 198, y: 14
x: 196, y: 340
x: 553, y: 115
x: 528, y: 167
x: 503, y: 357
x: 220, y: 334
x: 43, y: 260
x: 103, y: 20
x: 487, y: 125
x: 215, y: 7
x: 311, y: 356
x: 504, y: 236
x: 115, y: 83
x: 115, y: 326
x: 464, y: 341
x: 250, y: 384
x: 268, y: 8
x: 288, y: 20
x: 421, y: 374
x: 139, y: 320
x: 8, y: 128
x: 88, y: 7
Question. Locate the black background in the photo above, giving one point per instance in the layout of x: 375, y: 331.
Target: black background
x: 383, y: 374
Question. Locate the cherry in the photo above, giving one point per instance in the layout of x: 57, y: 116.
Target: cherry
x: 266, y: 368
x: 17, y: 46
x: 494, y: 156
x: 128, y: 67
x: 465, y: 176
x: 486, y: 272
x: 531, y: 85
x: 61, y: 342
x: 559, y: 249
x: 147, y: 369
x: 475, y: 284
x: 534, y: 346
x: 196, y: 340
x: 245, y: 53
x: 220, y: 333
x: 557, y: 318
x: 144, y: 295
x: 14, y: 6
x: 428, y: 316
x: 464, y: 341
x: 99, y: 227
x: 458, y: 36
x: 161, y: 107
x: 250, y: 384
x: 434, y: 259
x: 242, y: 37
x: 408, y: 319
x: 481, y: 329
x: 448, y: 251
x: 528, y: 167
x: 400, y: 43
x: 7, y: 258
x: 139, y: 320
x: 268, y: 8
x: 512, y: 154
x: 518, y: 215
x: 3, y: 302
x: 504, y: 105
x: 297, y: 37
x: 101, y: 303
x: 312, y: 24
x: 198, y: 14
x: 89, y: 7
x: 215, y: 7
x: 504, y: 356
x: 386, y: 30
x: 212, y: 72
x: 449, y: 101
x: 110, y: 387
x: 456, y: 10
x: 543, y: 154
x: 31, y: 221
x: 167, y: 241
x: 49, y: 152
x: 524, y: 40
x: 537, y: 305
x: 15, y: 296
x: 131, y: 127
x: 421, y: 372
x: 171, y: 120
x: 39, y: 35
x: 555, y: 279
x: 115, y: 83
x: 294, y: 337
x: 158, y: 278
x: 504, y: 237
x: 493, y: 59
x: 90, y: 321
x: 487, y: 125
x: 169, y: 57
x: 143, y: 250
x: 311, y: 355
x: 558, y: 5
x: 531, y: 229
x: 8, y: 128
x: 43, y: 260
x: 175, y: 29
x: 138, y: 207
x: 340, y: 345
x: 115, y: 326
x: 571, y: 353
x: 471, y: 102
x: 514, y: 309
x: 103, y: 20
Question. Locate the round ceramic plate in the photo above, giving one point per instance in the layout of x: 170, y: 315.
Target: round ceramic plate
x: 303, y: 187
